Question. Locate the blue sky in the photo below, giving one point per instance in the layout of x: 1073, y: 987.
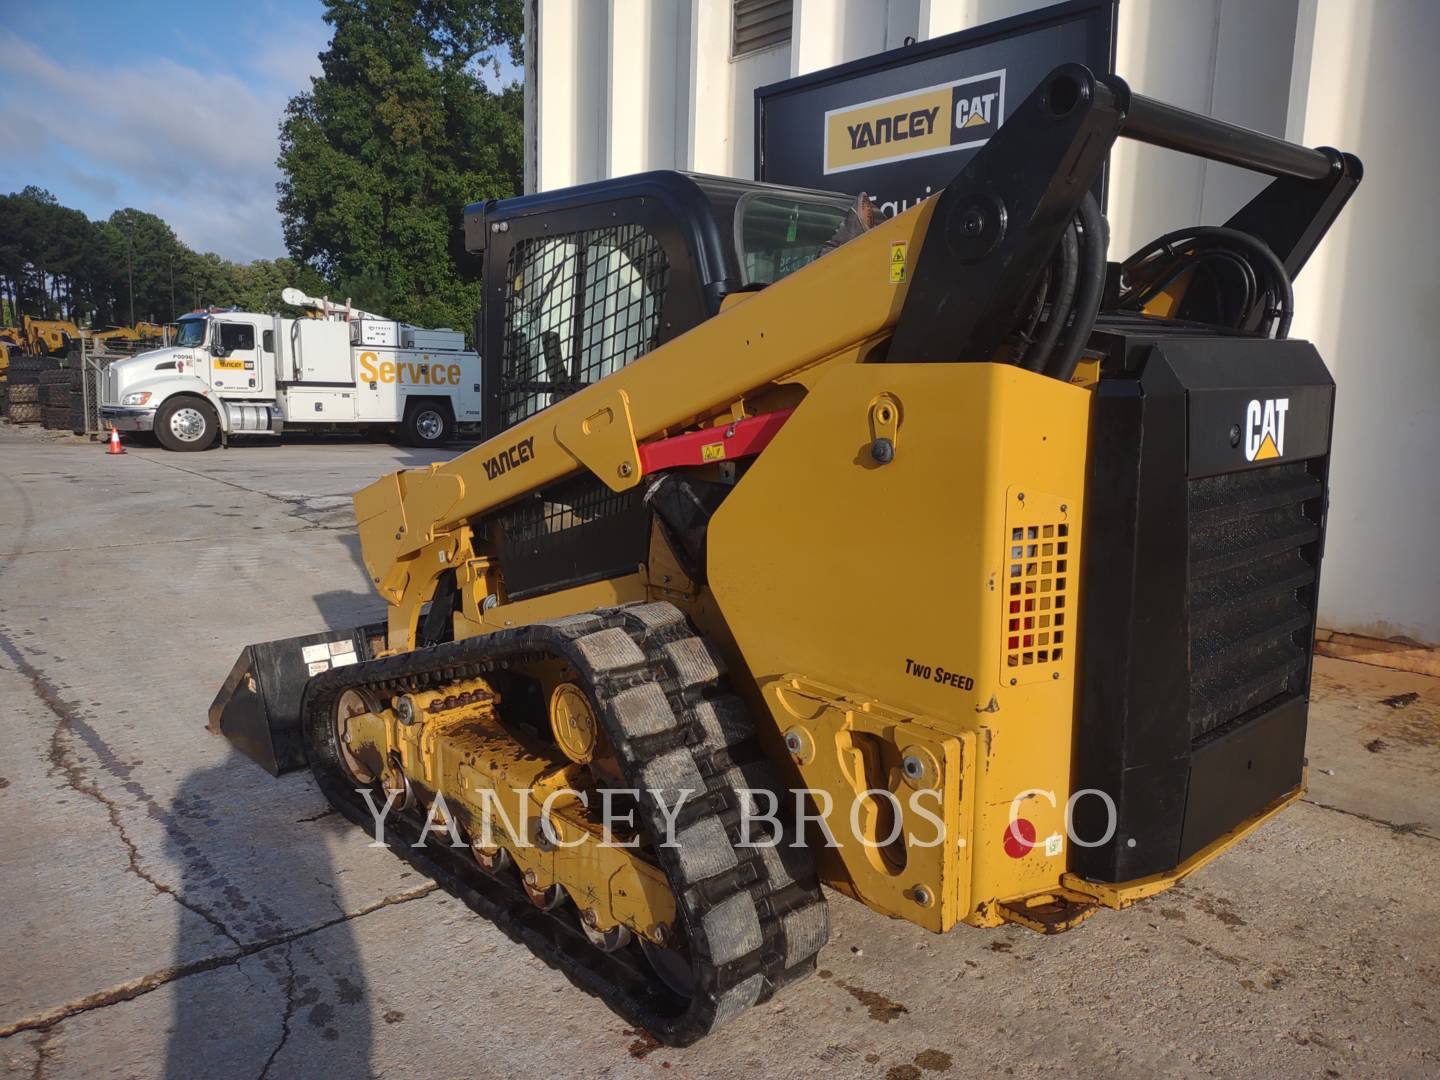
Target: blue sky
x: 169, y: 107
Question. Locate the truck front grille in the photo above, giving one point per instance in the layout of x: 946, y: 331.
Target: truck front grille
x: 1253, y: 555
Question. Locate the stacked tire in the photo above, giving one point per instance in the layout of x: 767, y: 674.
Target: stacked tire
x: 62, y: 401
x: 22, y: 392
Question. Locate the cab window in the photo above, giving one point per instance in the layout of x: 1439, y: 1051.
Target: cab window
x: 190, y: 333
x: 779, y: 234
x: 235, y: 336
x: 579, y: 306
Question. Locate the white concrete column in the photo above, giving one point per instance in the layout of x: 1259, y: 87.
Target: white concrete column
x: 628, y: 97
x: 590, y: 94
x: 709, y: 102
x: 829, y: 32
x: 939, y: 17
x: 1367, y: 299
x: 554, y: 47
x: 532, y: 86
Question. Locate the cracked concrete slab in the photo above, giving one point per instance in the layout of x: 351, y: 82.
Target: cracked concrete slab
x: 171, y: 910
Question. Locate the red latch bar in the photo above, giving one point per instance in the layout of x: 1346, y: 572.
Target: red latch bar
x: 727, y: 442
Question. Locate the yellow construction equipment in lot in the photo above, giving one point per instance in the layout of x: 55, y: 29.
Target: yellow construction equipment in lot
x: 142, y: 333
x: 11, y: 344
x: 48, y: 337
x: 928, y: 560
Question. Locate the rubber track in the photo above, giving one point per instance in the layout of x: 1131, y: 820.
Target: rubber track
x: 754, y: 916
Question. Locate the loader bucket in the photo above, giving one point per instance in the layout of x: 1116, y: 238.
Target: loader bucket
x: 258, y: 706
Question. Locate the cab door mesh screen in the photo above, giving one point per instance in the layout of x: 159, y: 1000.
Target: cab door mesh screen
x: 578, y: 306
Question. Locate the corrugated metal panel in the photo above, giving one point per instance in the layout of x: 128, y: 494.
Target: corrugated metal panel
x: 760, y: 24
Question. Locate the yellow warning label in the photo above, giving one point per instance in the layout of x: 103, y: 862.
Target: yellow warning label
x: 228, y: 365
x: 897, y: 263
x: 714, y: 451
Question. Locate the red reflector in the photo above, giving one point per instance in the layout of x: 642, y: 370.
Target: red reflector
x: 1019, y: 838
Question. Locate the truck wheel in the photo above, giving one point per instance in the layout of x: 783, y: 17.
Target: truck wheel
x: 427, y: 424
x: 186, y: 423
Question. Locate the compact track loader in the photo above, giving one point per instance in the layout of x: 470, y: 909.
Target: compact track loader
x: 937, y: 560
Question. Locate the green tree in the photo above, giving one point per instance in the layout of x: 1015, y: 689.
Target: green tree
x: 260, y: 283
x: 140, y: 247
x: 399, y: 132
x: 44, y: 256
x: 56, y: 263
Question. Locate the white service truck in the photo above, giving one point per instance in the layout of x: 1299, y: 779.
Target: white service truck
x: 238, y: 372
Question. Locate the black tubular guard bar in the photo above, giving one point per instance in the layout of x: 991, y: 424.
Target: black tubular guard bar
x: 1168, y: 126
x: 997, y: 223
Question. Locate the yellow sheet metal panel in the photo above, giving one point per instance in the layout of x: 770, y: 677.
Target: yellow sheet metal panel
x: 897, y: 791
x: 1123, y: 894
x: 889, y: 581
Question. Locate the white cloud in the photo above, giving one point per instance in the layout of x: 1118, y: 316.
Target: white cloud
x: 195, y: 145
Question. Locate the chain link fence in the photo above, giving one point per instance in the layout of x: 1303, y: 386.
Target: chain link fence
x: 93, y: 366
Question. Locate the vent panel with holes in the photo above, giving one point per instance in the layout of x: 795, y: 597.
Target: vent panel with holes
x: 1038, y: 641
x: 578, y: 307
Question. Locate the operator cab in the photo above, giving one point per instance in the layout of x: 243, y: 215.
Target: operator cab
x: 583, y: 281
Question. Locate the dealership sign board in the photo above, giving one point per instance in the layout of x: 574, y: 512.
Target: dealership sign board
x: 900, y: 125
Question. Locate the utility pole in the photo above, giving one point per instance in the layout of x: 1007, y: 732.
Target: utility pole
x: 172, y: 287
x: 130, y: 266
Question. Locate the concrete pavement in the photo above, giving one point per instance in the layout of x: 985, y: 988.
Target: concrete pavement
x: 169, y: 909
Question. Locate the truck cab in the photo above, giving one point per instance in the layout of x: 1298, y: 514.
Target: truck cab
x: 184, y: 393
x: 235, y: 372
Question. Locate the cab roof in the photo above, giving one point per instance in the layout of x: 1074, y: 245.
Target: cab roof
x: 703, y: 206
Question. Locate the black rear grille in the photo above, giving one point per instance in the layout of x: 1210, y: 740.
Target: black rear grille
x: 1253, y: 552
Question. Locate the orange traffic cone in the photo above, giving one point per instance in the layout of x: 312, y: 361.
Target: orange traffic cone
x: 115, y: 447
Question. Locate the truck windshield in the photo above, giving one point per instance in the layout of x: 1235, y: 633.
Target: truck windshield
x: 190, y: 333
x: 778, y: 235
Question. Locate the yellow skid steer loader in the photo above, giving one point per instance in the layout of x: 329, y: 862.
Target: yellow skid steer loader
x: 937, y: 560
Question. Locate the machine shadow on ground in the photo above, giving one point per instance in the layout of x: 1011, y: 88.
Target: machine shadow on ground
x: 344, y: 608
x: 309, y: 988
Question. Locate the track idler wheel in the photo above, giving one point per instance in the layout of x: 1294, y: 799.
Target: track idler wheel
x: 491, y: 860
x: 363, y: 766
x: 544, y: 899
x: 671, y: 963
x: 612, y: 940
x: 396, y: 783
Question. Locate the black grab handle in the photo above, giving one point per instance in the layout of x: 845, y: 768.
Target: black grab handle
x: 1160, y: 124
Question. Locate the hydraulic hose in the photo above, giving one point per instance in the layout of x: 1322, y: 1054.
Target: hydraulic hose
x: 1068, y: 257
x: 1223, y: 239
x: 1025, y: 338
x: 1095, y: 241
